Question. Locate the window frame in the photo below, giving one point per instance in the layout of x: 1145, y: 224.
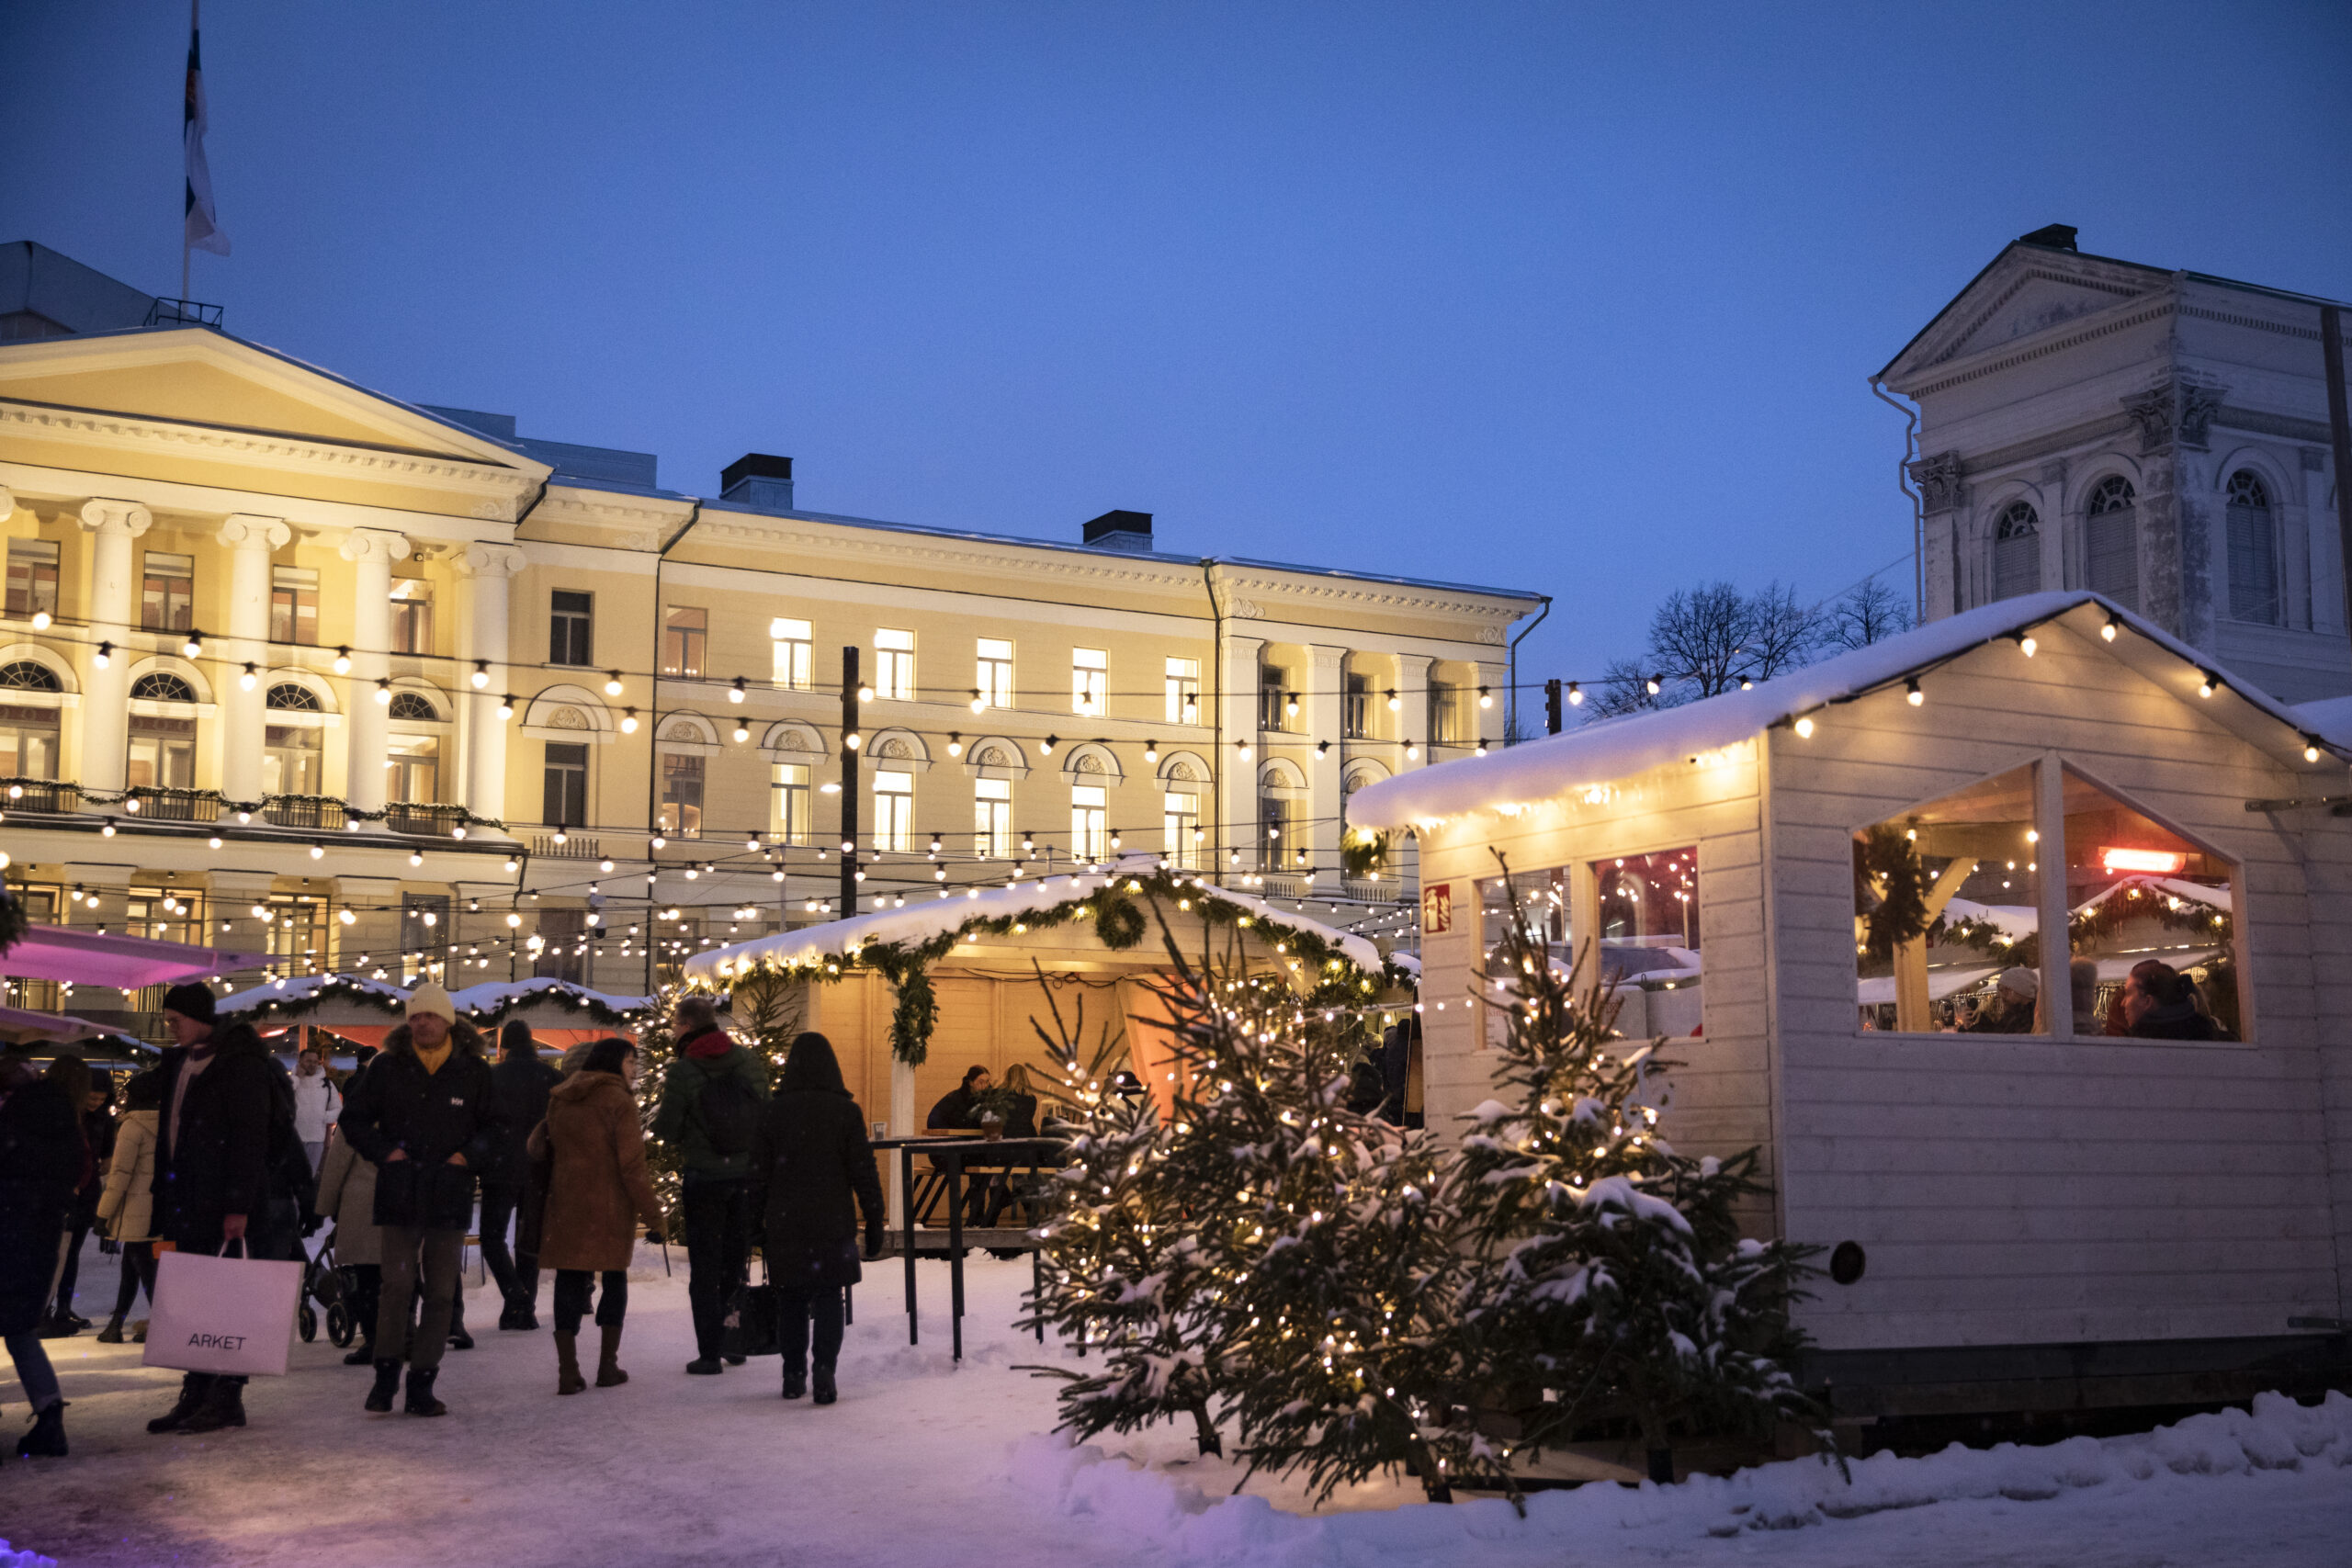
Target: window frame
x: 894, y: 811
x: 894, y: 664
x: 568, y: 626
x: 1184, y: 678
x: 550, y: 792
x: 992, y: 818
x: 1090, y: 681
x: 686, y: 647
x: 993, y: 673
x: 299, y: 600
x: 31, y: 585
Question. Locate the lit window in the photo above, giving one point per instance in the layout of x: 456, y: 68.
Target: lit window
x: 894, y: 812
x: 1090, y: 837
x: 788, y: 816
x: 294, y: 605
x: 1184, y: 691
x: 1090, y: 680
x: 683, y: 634
x: 995, y: 683
x: 32, y: 578
x: 992, y: 818
x: 794, y: 663
x: 167, y: 593
x: 894, y: 665
x: 412, y: 616
x: 571, y: 627
x: 1180, y: 818
x: 681, y: 782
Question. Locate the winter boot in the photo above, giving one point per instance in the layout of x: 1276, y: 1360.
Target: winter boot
x: 192, y: 1389
x: 225, y: 1406
x: 64, y: 1325
x: 608, y: 1365
x: 795, y: 1379
x: 139, y: 1332
x: 112, y: 1333
x: 47, y: 1438
x: 361, y: 1354
x: 510, y: 1317
x: 420, y: 1393
x: 388, y: 1383
x: 821, y: 1382
x: 706, y: 1367
x: 567, y: 1364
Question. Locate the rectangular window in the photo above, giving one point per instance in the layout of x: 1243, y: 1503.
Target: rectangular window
x: 684, y: 636
x: 1089, y: 681
x: 32, y: 579
x: 27, y: 743
x: 571, y: 627
x: 2151, y: 925
x: 425, y: 934
x: 1947, y: 905
x: 795, y: 666
x: 167, y: 593
x: 1649, y: 939
x: 290, y: 759
x: 565, y: 936
x: 682, y: 776
x: 563, y: 796
x: 992, y: 818
x: 1448, y: 725
x: 294, y: 605
x: 1276, y: 706
x: 297, y: 931
x: 1355, y: 708
x: 788, y: 816
x: 163, y: 753
x: 168, y: 914
x: 1274, y: 832
x: 1180, y: 818
x: 1184, y: 691
x: 894, y: 812
x: 894, y: 665
x: 995, y: 688
x: 1089, y: 833
x: 412, y: 616
x: 412, y: 769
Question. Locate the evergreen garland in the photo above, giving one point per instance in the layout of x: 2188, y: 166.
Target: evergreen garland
x: 12, y: 920
x: 1892, y: 885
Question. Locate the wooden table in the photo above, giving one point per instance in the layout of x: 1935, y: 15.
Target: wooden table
x: 948, y: 1154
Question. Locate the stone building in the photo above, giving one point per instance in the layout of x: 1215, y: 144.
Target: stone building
x: 2159, y: 437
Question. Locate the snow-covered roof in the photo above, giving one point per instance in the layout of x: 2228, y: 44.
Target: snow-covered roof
x: 301, y: 988
x: 491, y: 995
x: 919, y: 922
x: 2330, y: 718
x: 1619, y: 748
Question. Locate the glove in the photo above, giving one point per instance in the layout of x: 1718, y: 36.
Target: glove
x: 873, y: 1242
x: 653, y: 1236
x: 108, y: 1246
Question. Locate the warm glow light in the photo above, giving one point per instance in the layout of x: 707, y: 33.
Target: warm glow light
x: 343, y: 662
x: 1805, y: 730
x: 2158, y: 861
x: 612, y: 682
x: 482, y: 674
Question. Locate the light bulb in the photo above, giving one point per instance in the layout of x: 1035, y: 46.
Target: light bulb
x: 343, y: 662
x: 1151, y: 751
x: 1804, y: 729
x: 612, y: 682
x: 482, y: 674
x: 1395, y: 703
x: 629, y: 721
x: 512, y: 922
x: 1911, y: 693
x: 40, y: 620
x: 735, y: 692
x: 103, y: 656
x: 318, y: 851
x: 864, y: 692
x: 2114, y: 623
x: 955, y: 745
x: 1050, y: 743
x: 1576, y: 695
x: 194, y: 647
x: 660, y: 842
x: 506, y: 706
x: 245, y: 680
x: 742, y: 733
x: 383, y: 693
x: 2310, y: 754
x: 852, y: 739
x: 1411, y: 751
x: 980, y: 704
x: 513, y: 865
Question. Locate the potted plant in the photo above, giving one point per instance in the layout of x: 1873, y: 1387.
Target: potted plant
x: 991, y: 1108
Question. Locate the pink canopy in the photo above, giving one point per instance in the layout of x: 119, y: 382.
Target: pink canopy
x: 86, y: 958
x: 20, y: 1024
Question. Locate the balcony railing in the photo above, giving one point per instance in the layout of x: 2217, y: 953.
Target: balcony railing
x: 40, y: 795
x: 303, y: 811
x: 575, y: 847
x: 172, y: 805
x: 410, y: 816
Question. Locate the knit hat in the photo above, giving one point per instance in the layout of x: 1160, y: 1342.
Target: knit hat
x: 190, y: 1000
x: 430, y: 997
x: 2022, y: 982
x: 515, y: 1035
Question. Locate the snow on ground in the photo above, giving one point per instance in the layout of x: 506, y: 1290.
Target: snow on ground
x: 923, y: 1463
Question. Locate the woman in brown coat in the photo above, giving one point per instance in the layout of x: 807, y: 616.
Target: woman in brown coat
x: 597, y: 1186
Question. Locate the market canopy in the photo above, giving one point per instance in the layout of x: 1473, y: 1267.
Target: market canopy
x: 127, y: 963
x: 21, y: 1023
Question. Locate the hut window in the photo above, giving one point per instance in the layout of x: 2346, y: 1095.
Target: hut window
x: 2017, y: 551
x: 1090, y: 835
x: 894, y: 811
x: 1947, y: 901
x: 1180, y: 817
x: 2138, y: 895
x: 1648, y: 919
x: 992, y: 818
x: 788, y: 803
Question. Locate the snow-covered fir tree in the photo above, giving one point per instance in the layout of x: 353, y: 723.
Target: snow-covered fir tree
x: 1609, y: 1280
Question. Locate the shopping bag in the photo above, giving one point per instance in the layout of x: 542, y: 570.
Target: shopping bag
x: 750, y: 1328
x: 222, y: 1314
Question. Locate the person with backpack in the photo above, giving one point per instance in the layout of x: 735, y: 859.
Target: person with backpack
x: 713, y: 1099
x: 522, y: 1084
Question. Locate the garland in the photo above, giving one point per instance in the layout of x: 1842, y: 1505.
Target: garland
x: 390, y: 1002
x: 1117, y: 914
x: 12, y: 921
x: 1886, y: 865
x: 2101, y: 923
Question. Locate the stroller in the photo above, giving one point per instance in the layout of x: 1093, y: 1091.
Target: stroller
x: 327, y: 1285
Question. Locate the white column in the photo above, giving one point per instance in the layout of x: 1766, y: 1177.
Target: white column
x: 106, y: 693
x: 1237, y: 796
x: 1325, y: 678
x: 1486, y: 724
x: 249, y: 540
x: 1413, y: 714
x: 372, y: 551
x: 490, y: 569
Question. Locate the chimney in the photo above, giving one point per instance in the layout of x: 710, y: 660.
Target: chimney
x: 2055, y: 237
x: 757, y: 480
x: 1129, y: 531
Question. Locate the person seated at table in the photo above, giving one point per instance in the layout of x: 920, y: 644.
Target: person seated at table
x: 958, y: 1106
x: 1020, y: 1110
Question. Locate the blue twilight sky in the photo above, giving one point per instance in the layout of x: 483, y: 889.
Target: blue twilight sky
x: 1576, y: 298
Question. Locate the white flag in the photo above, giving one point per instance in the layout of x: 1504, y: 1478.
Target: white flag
x: 203, y: 223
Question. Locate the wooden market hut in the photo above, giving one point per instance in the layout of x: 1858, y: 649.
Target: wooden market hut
x: 1837, y: 891
x: 989, y: 1004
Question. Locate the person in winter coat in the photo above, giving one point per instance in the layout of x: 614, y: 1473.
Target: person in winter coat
x: 809, y: 1160
x: 598, y: 1188
x: 712, y: 1098
x: 959, y: 1107
x: 348, y: 1195
x: 127, y: 1205
x: 2160, y: 1003
x: 89, y: 1093
x: 426, y: 1112
x: 317, y: 1103
x: 221, y: 1106
x: 40, y: 1156
x: 521, y: 1082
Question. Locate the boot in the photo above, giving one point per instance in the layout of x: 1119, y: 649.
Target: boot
x: 139, y: 1332
x: 224, y: 1406
x: 361, y: 1354
x: 420, y: 1393
x: 825, y: 1393
x: 62, y: 1326
x: 567, y: 1364
x: 608, y: 1365
x: 192, y: 1389
x: 112, y: 1333
x: 795, y: 1379
x: 47, y: 1438
x: 388, y: 1383
x: 510, y: 1317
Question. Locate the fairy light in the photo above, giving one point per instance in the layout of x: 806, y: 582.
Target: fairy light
x: 506, y: 706
x: 1911, y: 693
x: 343, y: 662
x: 612, y: 682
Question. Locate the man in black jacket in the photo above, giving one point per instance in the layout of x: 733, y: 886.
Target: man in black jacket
x: 212, y: 1165
x: 521, y: 1084
x: 40, y: 1154
x: 425, y: 1114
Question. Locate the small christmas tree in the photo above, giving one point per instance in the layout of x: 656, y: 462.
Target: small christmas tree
x: 1611, y: 1280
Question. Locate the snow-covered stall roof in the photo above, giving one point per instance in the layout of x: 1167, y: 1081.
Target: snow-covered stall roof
x: 306, y: 987
x: 2330, y: 718
x: 919, y: 922
x: 1618, y: 748
x: 497, y: 995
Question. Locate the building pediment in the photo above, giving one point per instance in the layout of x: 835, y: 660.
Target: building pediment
x: 2028, y: 290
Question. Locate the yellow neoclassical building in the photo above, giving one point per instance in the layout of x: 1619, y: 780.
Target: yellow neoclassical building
x: 288, y: 663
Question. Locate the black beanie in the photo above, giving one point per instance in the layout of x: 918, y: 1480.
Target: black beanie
x: 515, y: 1035
x: 192, y: 1000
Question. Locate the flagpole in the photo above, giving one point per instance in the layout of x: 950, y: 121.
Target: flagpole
x: 184, y: 244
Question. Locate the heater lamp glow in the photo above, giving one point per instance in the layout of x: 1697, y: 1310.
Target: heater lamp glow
x: 2161, y: 862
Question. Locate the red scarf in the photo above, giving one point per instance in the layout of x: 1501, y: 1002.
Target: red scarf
x: 709, y: 1043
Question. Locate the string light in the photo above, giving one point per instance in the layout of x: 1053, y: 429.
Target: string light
x: 383, y: 691
x: 246, y: 681
x: 506, y: 706
x: 1804, y: 729
x: 955, y: 743
x: 2114, y: 624
x: 1911, y: 693
x: 2026, y: 644
x: 104, y: 656
x: 629, y: 721
x: 482, y: 674
x: 40, y: 620
x: 194, y: 647
x: 612, y: 682
x: 735, y: 692
x: 343, y: 662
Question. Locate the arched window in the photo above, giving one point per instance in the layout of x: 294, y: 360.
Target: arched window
x: 161, y: 687
x: 26, y: 675
x: 415, y: 708
x: 2254, y: 550
x: 2017, y: 551
x: 288, y: 697
x: 2111, y: 541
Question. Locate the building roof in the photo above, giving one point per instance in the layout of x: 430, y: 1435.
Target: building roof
x: 1619, y: 748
